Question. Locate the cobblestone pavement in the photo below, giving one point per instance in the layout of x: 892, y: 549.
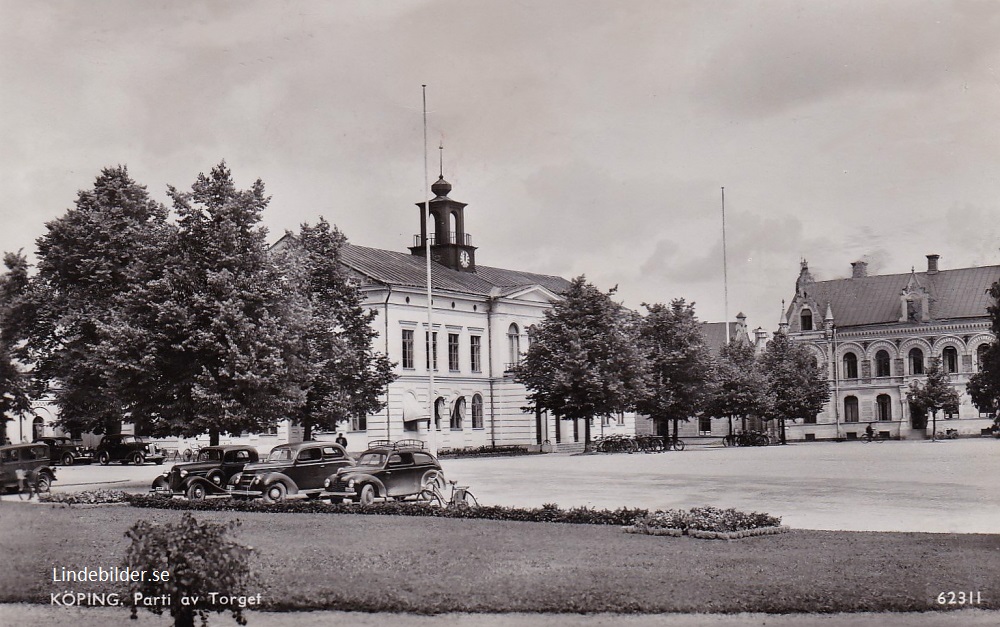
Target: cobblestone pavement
x: 946, y: 487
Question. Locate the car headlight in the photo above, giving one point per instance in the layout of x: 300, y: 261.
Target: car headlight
x: 350, y: 484
x: 183, y: 473
x: 236, y: 478
x: 326, y: 484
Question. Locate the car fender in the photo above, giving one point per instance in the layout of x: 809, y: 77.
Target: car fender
x: 210, y: 488
x: 361, y: 478
x: 273, y: 477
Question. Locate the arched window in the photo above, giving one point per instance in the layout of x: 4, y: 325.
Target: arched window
x: 453, y: 228
x: 981, y: 355
x: 916, y: 357
x: 851, y: 409
x: 458, y: 414
x: 806, y: 320
x: 514, y: 345
x: 477, y: 411
x: 883, y: 405
x: 37, y: 428
x: 949, y: 359
x: 850, y: 366
x: 882, y: 364
x: 439, y: 407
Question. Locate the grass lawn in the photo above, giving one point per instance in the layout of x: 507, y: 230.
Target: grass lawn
x: 430, y: 565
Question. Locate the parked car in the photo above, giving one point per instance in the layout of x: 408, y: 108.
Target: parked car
x: 67, y: 451
x: 290, y: 471
x: 386, y: 470
x: 128, y: 449
x: 31, y: 460
x: 208, y: 475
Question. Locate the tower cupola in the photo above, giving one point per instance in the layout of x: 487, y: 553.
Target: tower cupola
x: 450, y: 245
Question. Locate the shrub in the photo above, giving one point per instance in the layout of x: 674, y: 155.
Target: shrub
x: 483, y: 451
x: 199, y: 560
x: 90, y: 497
x: 706, y: 522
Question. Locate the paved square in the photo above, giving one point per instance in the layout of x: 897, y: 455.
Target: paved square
x: 948, y: 486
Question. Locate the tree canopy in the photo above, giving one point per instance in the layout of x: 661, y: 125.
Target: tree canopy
x: 740, y: 388
x: 984, y: 386
x: 583, y: 359
x: 679, y: 363
x: 795, y: 382
x: 935, y: 394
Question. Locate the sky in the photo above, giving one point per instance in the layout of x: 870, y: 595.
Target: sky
x: 587, y: 137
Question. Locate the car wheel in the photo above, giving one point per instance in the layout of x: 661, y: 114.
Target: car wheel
x: 67, y: 459
x: 196, y: 492
x: 159, y: 462
x: 104, y: 458
x: 367, y: 496
x: 275, y: 493
x: 44, y: 484
x: 215, y: 477
x: 138, y: 459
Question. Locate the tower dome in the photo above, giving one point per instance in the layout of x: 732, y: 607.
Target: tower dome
x: 441, y: 187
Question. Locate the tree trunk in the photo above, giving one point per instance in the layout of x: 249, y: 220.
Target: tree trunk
x: 676, y: 420
x: 730, y: 425
x: 558, y: 429
x: 744, y: 423
x: 781, y: 426
x: 933, y: 425
x: 576, y: 429
x: 213, y: 438
x: 307, y: 430
x: 586, y: 433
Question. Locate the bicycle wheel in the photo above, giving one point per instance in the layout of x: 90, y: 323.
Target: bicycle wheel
x: 678, y: 445
x: 432, y: 497
x: 469, y: 500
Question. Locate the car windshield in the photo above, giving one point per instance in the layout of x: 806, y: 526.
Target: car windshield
x: 280, y: 455
x: 372, y: 459
x: 210, y: 455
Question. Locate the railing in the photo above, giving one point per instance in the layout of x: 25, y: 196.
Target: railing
x: 450, y: 238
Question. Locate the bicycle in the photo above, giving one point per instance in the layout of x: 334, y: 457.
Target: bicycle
x: 191, y: 454
x: 461, y: 497
x: 874, y: 437
x: 675, y: 443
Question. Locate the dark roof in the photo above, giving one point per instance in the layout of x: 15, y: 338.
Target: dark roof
x: 395, y: 268
x: 872, y: 300
x: 714, y: 334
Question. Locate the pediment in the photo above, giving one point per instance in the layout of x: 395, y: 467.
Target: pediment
x: 532, y: 294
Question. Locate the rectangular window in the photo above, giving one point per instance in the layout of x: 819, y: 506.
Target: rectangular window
x: 704, y: 425
x: 431, y: 349
x: 408, y: 349
x: 475, y: 349
x: 453, y: 352
x: 359, y: 423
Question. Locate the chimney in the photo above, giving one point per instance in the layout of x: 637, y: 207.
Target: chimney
x: 859, y: 269
x: 932, y: 266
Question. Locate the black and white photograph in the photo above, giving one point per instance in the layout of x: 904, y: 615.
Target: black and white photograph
x: 560, y: 313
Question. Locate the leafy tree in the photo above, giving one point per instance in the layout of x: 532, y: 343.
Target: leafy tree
x: 680, y: 365
x: 740, y: 388
x: 345, y: 377
x: 797, y: 387
x: 984, y: 386
x: 89, y: 260
x: 935, y: 394
x: 583, y: 360
x: 15, y: 383
x: 210, y: 346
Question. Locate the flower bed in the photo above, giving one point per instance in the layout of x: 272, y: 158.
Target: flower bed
x: 707, y: 523
x: 483, y: 451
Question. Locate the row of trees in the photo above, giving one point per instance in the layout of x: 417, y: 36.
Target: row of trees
x: 591, y: 357
x: 185, y: 322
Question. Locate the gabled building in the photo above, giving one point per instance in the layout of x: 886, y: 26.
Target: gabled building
x: 874, y: 335
x: 478, y: 333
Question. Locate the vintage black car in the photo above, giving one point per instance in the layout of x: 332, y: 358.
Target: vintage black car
x: 387, y: 470
x: 290, y: 471
x: 67, y: 451
x: 128, y: 449
x: 208, y: 475
x: 30, y: 461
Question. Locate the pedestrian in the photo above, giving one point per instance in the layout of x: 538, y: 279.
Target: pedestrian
x: 341, y: 440
x: 869, y: 432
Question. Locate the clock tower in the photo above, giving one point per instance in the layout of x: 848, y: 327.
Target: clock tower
x: 451, y: 246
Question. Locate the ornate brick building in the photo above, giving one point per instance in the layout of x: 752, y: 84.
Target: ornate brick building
x: 874, y: 335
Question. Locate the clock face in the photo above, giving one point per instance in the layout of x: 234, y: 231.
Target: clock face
x: 463, y: 258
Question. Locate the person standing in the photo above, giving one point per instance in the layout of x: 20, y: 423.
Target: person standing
x: 341, y: 440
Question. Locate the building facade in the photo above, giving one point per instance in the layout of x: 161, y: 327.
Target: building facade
x: 874, y: 335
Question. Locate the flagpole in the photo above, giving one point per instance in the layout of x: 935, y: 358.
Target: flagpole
x: 725, y: 267
x: 431, y: 359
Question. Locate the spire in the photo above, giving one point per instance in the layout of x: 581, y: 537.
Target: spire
x: 783, y: 322
x: 829, y: 312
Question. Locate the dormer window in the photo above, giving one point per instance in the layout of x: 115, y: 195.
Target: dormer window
x: 806, y: 320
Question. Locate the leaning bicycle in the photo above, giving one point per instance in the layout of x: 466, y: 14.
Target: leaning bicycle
x: 460, y: 498
x: 31, y: 483
x: 674, y: 443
